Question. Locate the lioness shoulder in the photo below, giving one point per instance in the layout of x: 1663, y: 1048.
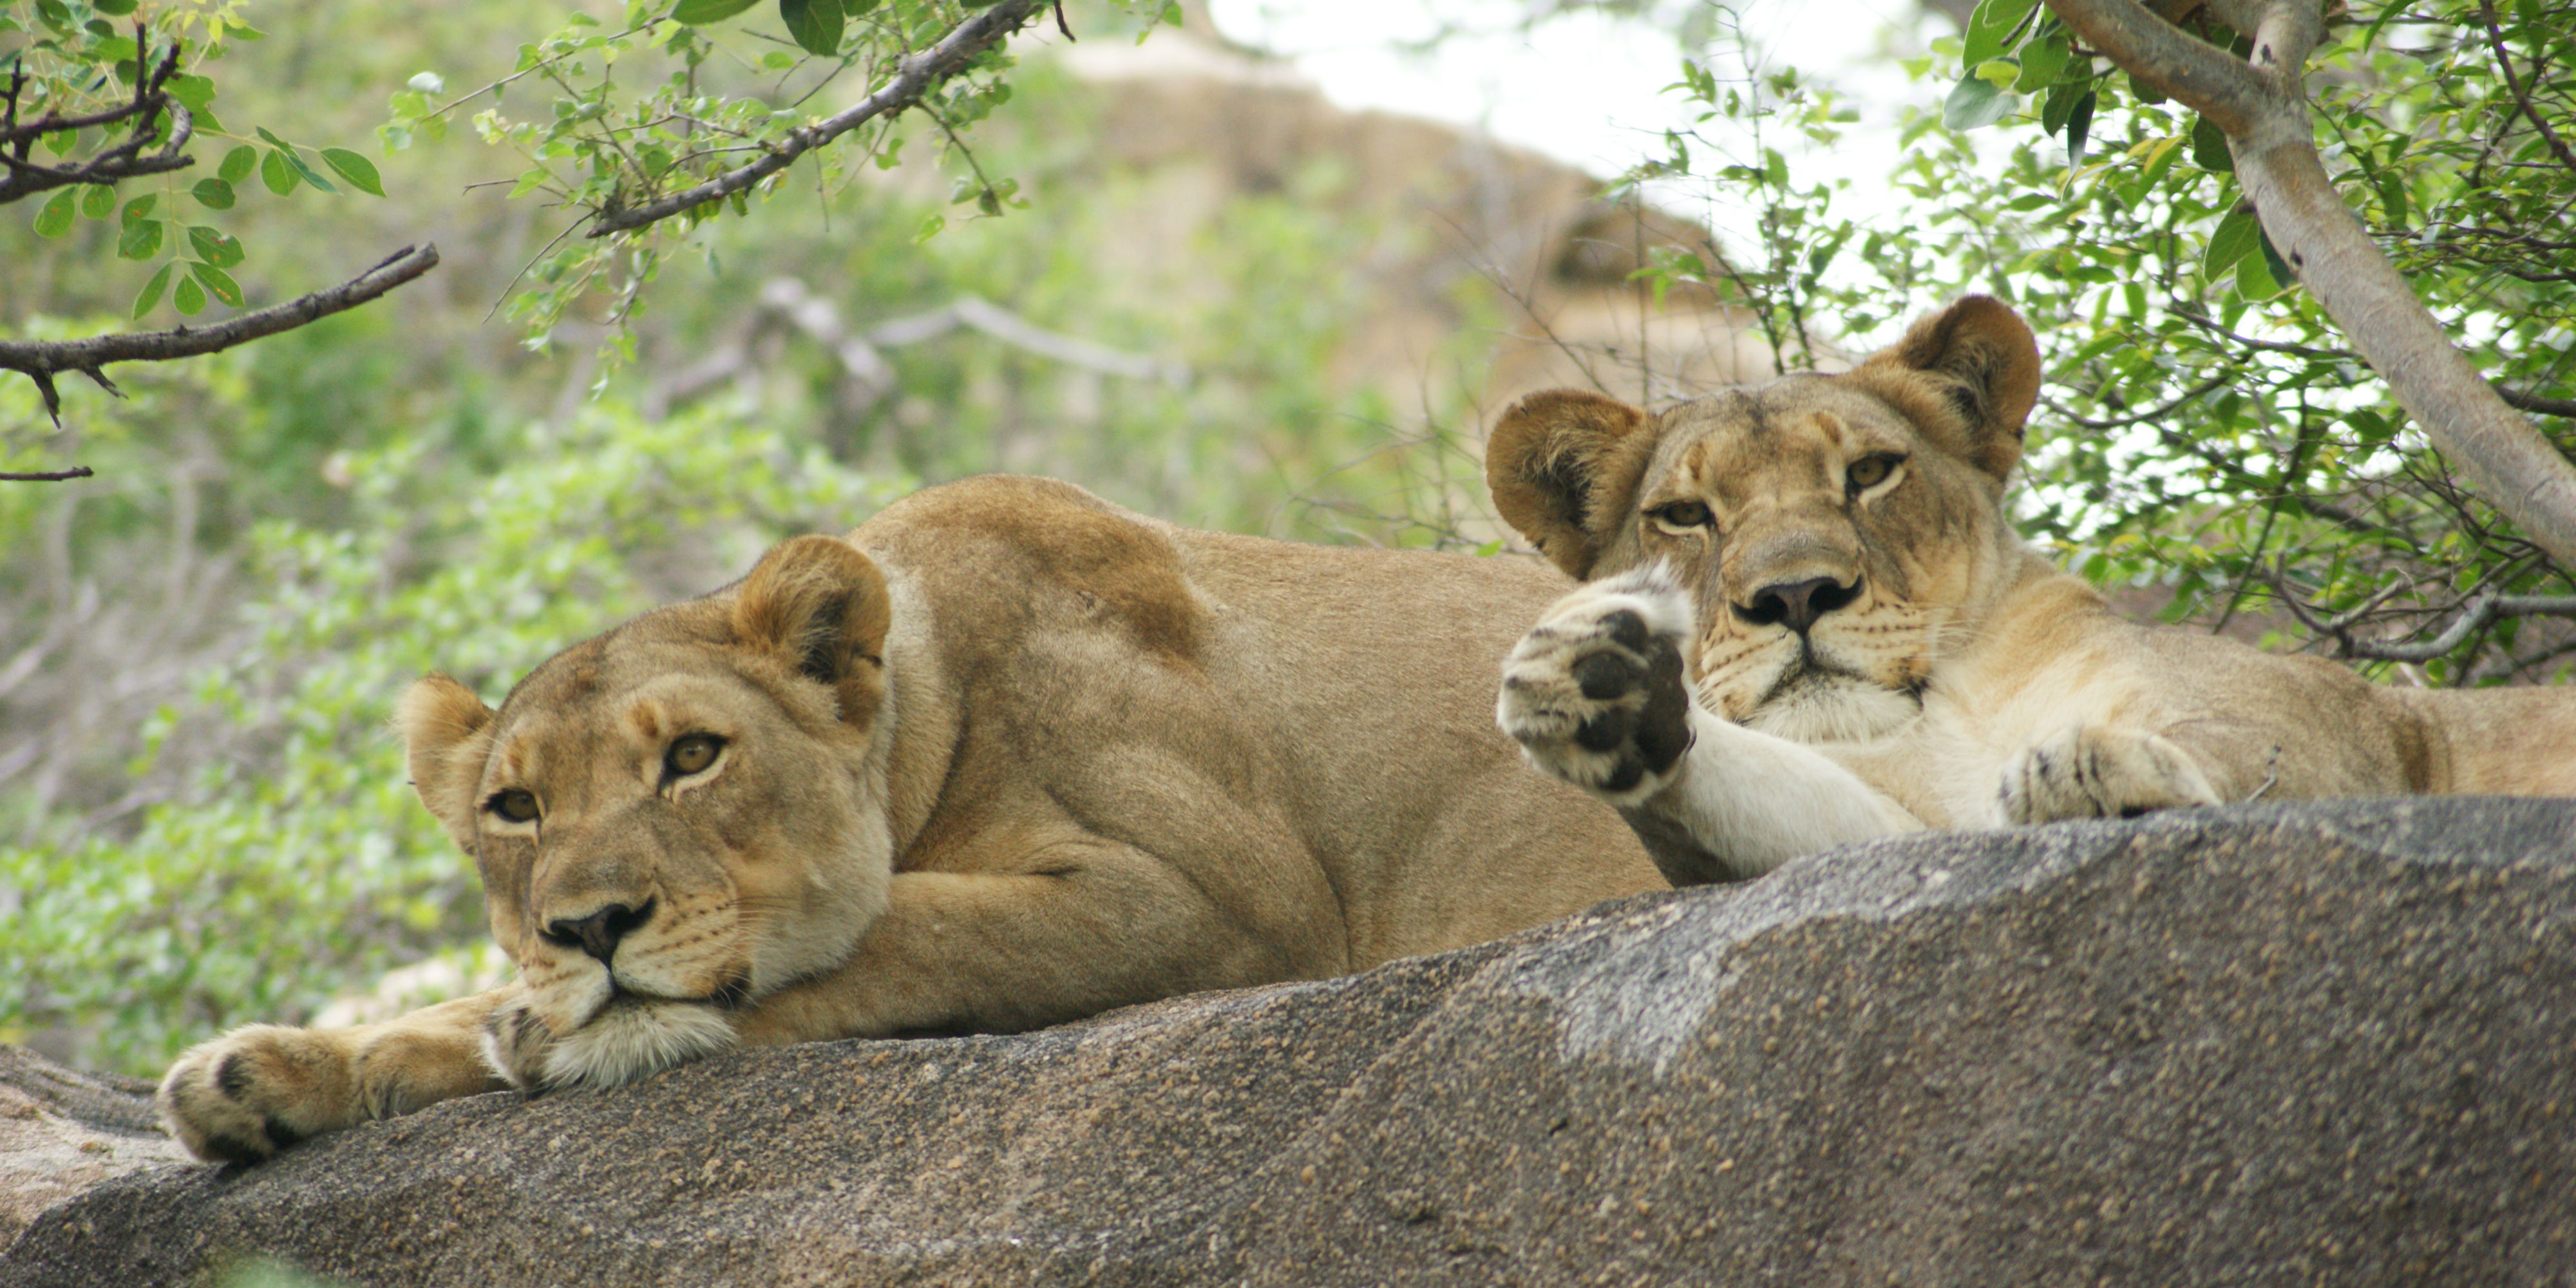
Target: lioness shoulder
x: 1004, y: 756
x: 1869, y: 646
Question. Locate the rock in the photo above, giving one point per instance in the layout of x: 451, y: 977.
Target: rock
x: 2262, y: 1044
x: 62, y: 1132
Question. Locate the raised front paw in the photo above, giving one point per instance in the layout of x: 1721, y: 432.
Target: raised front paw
x: 2099, y: 771
x: 1595, y: 693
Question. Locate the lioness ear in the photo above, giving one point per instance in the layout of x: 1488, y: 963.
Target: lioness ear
x: 446, y: 733
x: 1563, y: 466
x: 1982, y: 361
x: 823, y: 604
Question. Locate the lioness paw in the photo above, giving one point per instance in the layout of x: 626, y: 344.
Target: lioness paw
x: 2099, y: 771
x: 257, y: 1090
x: 1595, y: 693
x: 627, y: 1040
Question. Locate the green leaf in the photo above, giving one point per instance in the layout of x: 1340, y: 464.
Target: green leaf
x: 150, y: 297
x: 213, y: 194
x: 360, y: 172
x: 2209, y: 147
x: 188, y: 299
x: 113, y: 8
x: 2278, y: 267
x: 2392, y: 197
x: 215, y: 246
x: 217, y: 282
x: 141, y: 206
x: 140, y: 240
x: 237, y: 164
x: 55, y: 218
x: 98, y: 201
x: 816, y: 24
x: 2043, y: 61
x: 2144, y: 93
x: 698, y: 13
x: 276, y: 173
x: 2233, y: 240
x: 1975, y: 104
x: 1993, y: 28
x: 2060, y: 103
x: 2079, y: 124
x: 193, y: 92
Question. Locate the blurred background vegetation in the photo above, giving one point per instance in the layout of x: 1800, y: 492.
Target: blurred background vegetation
x: 1227, y: 302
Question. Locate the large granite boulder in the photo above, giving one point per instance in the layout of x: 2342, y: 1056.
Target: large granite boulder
x: 62, y: 1131
x: 2264, y: 1044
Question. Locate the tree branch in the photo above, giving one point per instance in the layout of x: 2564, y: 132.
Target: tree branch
x: 2178, y: 65
x: 49, y: 476
x: 2504, y: 63
x: 26, y: 178
x: 914, y: 76
x: 2263, y: 110
x: 41, y: 360
x: 2539, y: 405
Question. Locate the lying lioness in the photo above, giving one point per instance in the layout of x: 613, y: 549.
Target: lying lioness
x: 1874, y: 649
x: 1005, y: 756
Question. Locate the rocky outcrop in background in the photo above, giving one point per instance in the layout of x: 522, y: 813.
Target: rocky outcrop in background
x: 2266, y: 1044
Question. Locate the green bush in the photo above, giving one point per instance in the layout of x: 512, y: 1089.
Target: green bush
x: 297, y: 865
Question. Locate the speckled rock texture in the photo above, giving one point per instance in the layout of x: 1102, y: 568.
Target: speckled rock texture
x: 63, y: 1131
x: 2267, y: 1044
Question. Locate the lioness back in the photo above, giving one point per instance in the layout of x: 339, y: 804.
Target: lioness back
x: 1005, y: 756
x: 1344, y: 693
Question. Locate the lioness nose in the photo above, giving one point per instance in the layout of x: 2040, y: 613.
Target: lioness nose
x: 598, y: 933
x: 1797, y: 605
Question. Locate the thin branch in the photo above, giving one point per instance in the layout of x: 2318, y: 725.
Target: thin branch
x: 2179, y: 65
x: 2482, y: 611
x: 51, y: 476
x: 2158, y: 412
x: 2535, y: 403
x: 2504, y: 63
x: 41, y: 360
x: 26, y: 178
x: 914, y: 77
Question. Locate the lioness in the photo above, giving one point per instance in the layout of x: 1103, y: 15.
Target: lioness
x: 1006, y: 755
x: 1875, y: 650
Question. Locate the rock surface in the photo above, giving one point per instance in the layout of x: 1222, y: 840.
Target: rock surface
x: 2266, y: 1044
x: 62, y: 1132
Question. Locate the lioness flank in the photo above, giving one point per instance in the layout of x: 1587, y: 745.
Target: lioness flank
x: 1007, y: 755
x: 1871, y: 648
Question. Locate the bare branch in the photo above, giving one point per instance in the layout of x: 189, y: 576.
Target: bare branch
x: 25, y: 178
x: 914, y: 76
x: 2483, y: 610
x: 2539, y: 405
x: 49, y: 476
x: 41, y: 360
x: 2201, y: 75
x: 2504, y: 63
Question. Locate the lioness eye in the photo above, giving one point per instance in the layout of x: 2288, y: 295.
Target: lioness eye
x: 517, y: 805
x: 1870, y: 471
x: 693, y: 754
x: 1681, y: 514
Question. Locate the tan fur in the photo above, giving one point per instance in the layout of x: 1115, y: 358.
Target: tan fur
x: 1951, y: 669
x: 1005, y: 756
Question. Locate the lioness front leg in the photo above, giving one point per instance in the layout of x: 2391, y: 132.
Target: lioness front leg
x: 1596, y: 695
x: 2099, y: 771
x: 263, y: 1087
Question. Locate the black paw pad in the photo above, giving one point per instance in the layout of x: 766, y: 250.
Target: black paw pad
x: 1663, y: 727
x: 1628, y: 630
x: 1607, y: 730
x: 1604, y: 674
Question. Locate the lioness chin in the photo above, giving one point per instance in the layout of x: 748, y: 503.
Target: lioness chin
x: 1005, y: 756
x: 1870, y: 648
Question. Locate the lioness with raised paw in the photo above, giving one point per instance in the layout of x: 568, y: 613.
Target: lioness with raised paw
x: 1870, y: 648
x: 1005, y: 756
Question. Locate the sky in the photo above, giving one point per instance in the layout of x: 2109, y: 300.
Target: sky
x: 1583, y: 87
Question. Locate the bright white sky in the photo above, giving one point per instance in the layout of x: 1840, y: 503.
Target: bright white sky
x: 1582, y: 87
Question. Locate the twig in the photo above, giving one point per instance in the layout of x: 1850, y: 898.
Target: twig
x: 26, y: 178
x: 2504, y: 63
x: 914, y: 77
x: 53, y: 476
x: 2535, y: 403
x: 41, y: 360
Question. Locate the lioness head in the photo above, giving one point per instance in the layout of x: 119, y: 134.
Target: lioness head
x: 1838, y: 534
x: 678, y: 817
